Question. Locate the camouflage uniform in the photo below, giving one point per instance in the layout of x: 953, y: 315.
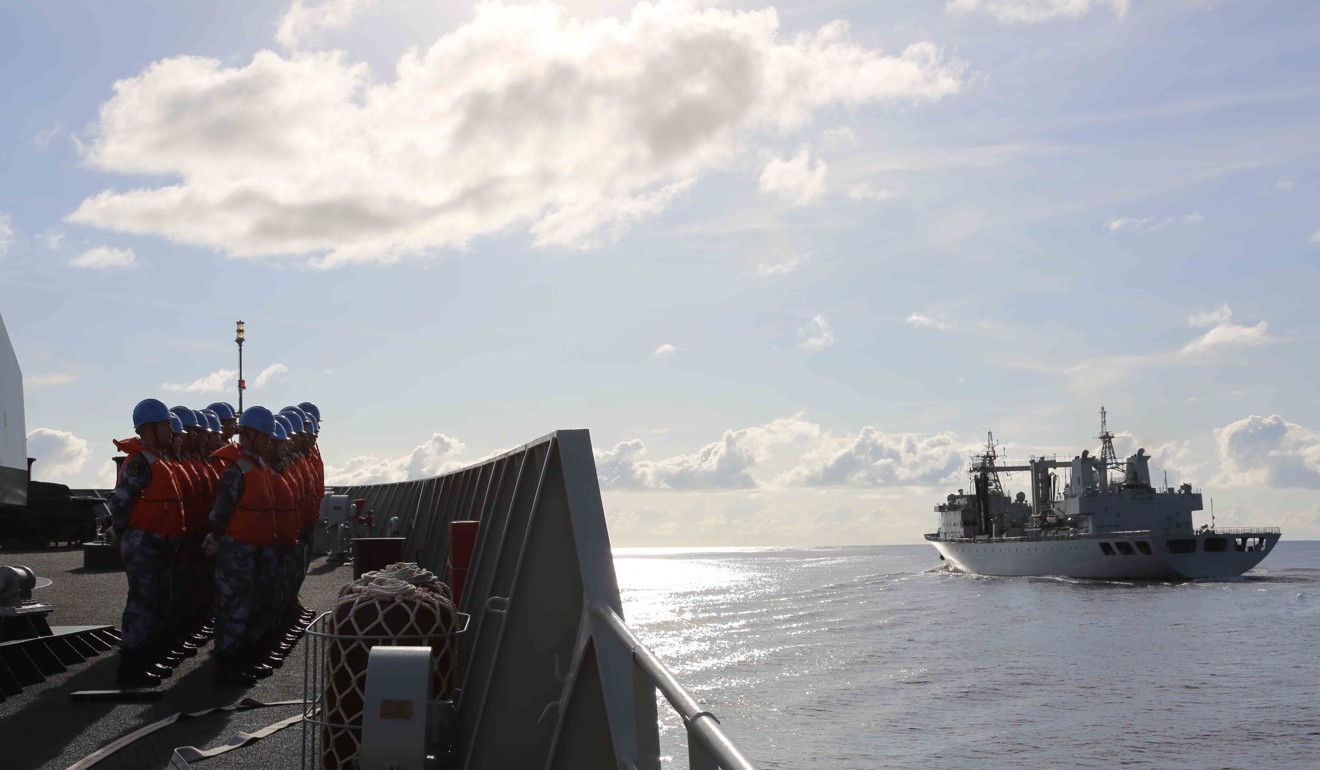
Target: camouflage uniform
x: 235, y: 568
x: 147, y: 557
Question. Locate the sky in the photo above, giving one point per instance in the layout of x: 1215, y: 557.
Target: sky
x: 789, y: 264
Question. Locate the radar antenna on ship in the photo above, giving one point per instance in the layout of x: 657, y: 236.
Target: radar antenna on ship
x: 984, y: 464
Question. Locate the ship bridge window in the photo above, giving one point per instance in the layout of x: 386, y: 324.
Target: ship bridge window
x: 1215, y: 544
x: 1107, y: 549
x: 1124, y: 548
x: 1181, y: 545
x: 1144, y: 547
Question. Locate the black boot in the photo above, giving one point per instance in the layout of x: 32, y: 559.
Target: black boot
x: 229, y: 672
x: 133, y: 670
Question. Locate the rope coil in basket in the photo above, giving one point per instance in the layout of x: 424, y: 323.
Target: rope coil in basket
x: 378, y: 609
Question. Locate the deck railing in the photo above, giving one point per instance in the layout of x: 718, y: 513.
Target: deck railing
x: 551, y: 675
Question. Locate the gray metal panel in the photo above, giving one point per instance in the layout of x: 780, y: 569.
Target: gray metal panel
x: 13, y: 427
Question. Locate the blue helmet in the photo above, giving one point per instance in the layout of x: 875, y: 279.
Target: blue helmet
x: 186, y: 416
x: 202, y: 423
x: 212, y: 420
x: 312, y: 409
x: 222, y: 410
x: 280, y: 434
x: 296, y: 410
x: 176, y: 424
x: 258, y: 417
x: 283, y: 421
x: 149, y: 410
x: 295, y: 416
x: 313, y: 425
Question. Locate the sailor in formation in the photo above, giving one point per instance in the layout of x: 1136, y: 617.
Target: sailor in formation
x: 213, y: 515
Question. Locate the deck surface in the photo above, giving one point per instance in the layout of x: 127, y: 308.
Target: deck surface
x: 45, y: 728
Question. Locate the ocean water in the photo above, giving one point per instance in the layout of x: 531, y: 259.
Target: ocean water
x: 878, y: 657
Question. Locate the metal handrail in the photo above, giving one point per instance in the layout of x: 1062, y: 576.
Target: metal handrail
x: 702, y: 726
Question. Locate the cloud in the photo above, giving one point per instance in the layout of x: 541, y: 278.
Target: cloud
x: 106, y: 258
x: 772, y: 269
x: 797, y: 179
x: 268, y: 374
x: 52, y: 239
x: 816, y: 335
x: 439, y: 454
x: 40, y: 141
x: 54, y: 378
x: 215, y: 382
x: 922, y: 321
x: 1150, y: 224
x: 724, y: 464
x: 868, y: 192
x: 1268, y: 452
x: 1285, y: 185
x: 1315, y: 238
x: 874, y: 459
x: 1215, y: 317
x: 306, y: 21
x: 6, y: 233
x: 60, y: 454
x: 1030, y: 11
x: 520, y: 118
x: 1229, y: 335
x: 664, y: 351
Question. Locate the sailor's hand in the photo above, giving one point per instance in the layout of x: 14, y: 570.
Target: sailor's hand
x: 111, y: 537
x: 210, y: 544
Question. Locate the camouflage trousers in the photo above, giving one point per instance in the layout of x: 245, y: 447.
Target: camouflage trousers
x: 235, y: 584
x: 194, y: 581
x: 268, y: 605
x: 148, y: 559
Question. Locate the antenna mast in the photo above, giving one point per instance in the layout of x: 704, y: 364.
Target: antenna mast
x: 1108, y: 458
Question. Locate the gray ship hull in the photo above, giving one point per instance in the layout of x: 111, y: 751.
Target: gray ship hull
x: 1143, y: 555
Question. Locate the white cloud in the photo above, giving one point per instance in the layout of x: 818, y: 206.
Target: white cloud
x: 1285, y: 185
x: 1150, y: 224
x: 106, y: 257
x: 724, y: 464
x: 1268, y: 452
x: 839, y: 136
x: 1315, y: 237
x: 922, y: 321
x: 1229, y: 335
x: 1030, y: 11
x: 874, y: 458
x: 40, y: 141
x: 54, y: 378
x: 1215, y: 317
x: 784, y: 267
x: 816, y: 335
x: 521, y: 117
x: 60, y: 454
x: 215, y: 382
x: 439, y: 454
x: 268, y: 374
x: 306, y: 21
x: 796, y: 179
x: 868, y: 192
x: 664, y: 351
x: 6, y: 233
x: 52, y: 239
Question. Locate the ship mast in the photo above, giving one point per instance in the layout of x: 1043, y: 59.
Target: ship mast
x: 1108, y: 458
x: 985, y: 465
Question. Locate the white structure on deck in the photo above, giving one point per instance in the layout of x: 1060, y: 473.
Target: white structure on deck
x: 13, y: 431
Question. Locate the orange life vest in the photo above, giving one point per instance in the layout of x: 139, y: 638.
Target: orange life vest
x: 159, y: 508
x: 286, y: 512
x: 253, y: 519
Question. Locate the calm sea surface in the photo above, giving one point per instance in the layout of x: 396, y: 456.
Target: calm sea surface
x: 876, y: 657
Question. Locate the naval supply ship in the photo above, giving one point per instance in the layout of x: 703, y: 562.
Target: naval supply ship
x: 1103, y: 520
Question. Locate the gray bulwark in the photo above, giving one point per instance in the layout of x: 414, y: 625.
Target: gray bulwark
x: 13, y: 429
x: 550, y: 676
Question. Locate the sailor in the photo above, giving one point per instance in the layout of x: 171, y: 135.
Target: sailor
x: 274, y: 563
x: 228, y: 419
x: 147, y: 521
x: 242, y: 522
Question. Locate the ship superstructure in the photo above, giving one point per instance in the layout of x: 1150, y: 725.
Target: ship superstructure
x: 1102, y: 519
